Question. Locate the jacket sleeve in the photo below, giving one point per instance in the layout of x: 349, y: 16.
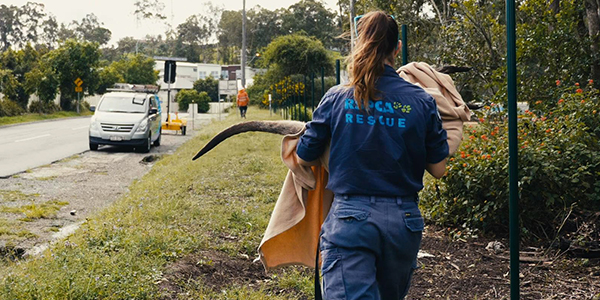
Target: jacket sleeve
x: 436, y: 143
x: 317, y: 134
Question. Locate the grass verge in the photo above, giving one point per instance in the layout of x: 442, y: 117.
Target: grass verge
x: 218, y: 205
x: 39, y: 117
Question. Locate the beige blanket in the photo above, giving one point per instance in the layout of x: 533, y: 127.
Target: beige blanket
x: 451, y: 106
x: 292, y: 235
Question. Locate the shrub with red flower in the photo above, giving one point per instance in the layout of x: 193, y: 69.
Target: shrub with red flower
x: 559, y: 163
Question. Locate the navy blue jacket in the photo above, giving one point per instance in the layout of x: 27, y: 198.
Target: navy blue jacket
x: 382, y: 151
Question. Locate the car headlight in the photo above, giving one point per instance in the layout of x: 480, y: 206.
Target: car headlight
x: 143, y: 125
x: 93, y: 123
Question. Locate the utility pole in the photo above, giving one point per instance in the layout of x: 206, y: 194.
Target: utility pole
x: 244, y: 44
x: 352, y: 26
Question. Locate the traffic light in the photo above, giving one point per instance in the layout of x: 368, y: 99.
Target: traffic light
x: 170, y: 71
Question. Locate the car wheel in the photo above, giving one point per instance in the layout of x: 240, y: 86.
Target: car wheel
x: 93, y: 146
x: 145, y: 148
x: 157, y: 142
x: 183, y: 130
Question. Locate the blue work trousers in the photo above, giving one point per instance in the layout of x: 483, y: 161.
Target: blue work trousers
x: 369, y: 247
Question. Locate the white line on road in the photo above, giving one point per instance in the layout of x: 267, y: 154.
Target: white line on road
x: 81, y: 127
x: 32, y: 138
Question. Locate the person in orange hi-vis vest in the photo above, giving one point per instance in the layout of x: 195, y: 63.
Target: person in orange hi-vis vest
x: 242, y: 102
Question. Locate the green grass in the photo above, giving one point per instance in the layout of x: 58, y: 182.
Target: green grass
x: 39, y: 117
x: 12, y: 196
x: 35, y: 211
x: 221, y: 202
x: 10, y: 230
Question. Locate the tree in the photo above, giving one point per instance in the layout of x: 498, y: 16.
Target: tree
x: 191, y: 36
x: 72, y: 60
x: 90, y: 29
x: 187, y: 97
x: 210, y: 86
x: 311, y: 17
x: 149, y: 9
x: 262, y: 27
x: 230, y: 36
x: 20, y: 63
x: 296, y: 54
x: 136, y: 69
x: 10, y: 29
x: 107, y: 77
x: 8, y: 84
x: 42, y: 81
x: 26, y: 24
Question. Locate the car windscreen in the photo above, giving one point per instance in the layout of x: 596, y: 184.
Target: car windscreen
x: 123, y: 104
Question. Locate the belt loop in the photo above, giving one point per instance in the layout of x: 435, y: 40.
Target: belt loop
x: 373, y: 199
x: 399, y: 200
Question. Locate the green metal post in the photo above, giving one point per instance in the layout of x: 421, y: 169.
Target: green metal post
x: 312, y: 79
x: 337, y: 72
x: 322, y: 83
x: 404, y: 44
x: 513, y: 172
x: 305, y: 114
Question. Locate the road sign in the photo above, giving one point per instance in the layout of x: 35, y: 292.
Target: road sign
x: 78, y: 89
x: 78, y: 82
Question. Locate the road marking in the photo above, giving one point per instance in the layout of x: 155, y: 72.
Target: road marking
x: 81, y: 127
x: 32, y: 138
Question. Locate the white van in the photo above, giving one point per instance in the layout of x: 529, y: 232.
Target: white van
x: 129, y: 115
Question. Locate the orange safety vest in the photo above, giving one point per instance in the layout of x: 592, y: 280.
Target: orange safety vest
x: 242, y: 98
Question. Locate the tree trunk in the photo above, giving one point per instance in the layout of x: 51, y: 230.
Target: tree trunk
x: 593, y: 20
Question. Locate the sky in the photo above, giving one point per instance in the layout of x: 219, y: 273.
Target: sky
x: 117, y: 15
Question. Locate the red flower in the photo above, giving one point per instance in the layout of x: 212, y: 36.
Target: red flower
x: 538, y: 102
x: 576, y: 83
x: 579, y: 91
x: 464, y: 165
x: 548, y: 130
x: 481, y: 120
x: 582, y: 101
x: 561, y: 101
x: 484, y: 137
x: 557, y: 82
x: 591, y: 81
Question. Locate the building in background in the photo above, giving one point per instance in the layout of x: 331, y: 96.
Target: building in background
x: 187, y: 73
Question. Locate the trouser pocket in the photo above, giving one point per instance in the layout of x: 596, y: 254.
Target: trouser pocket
x: 333, y: 277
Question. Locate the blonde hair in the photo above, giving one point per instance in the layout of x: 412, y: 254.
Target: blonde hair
x: 377, y: 39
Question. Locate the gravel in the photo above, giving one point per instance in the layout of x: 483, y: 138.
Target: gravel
x: 89, y: 182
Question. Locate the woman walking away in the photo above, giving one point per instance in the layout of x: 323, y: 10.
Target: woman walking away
x: 384, y: 133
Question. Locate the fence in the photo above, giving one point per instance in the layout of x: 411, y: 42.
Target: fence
x: 296, y: 99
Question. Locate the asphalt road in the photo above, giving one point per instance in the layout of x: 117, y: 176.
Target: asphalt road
x: 35, y: 144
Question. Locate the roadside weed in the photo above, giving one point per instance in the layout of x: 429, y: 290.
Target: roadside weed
x: 220, y: 203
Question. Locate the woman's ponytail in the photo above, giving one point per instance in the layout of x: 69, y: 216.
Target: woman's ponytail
x: 377, y: 40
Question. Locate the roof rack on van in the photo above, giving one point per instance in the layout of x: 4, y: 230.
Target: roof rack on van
x: 139, y: 88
